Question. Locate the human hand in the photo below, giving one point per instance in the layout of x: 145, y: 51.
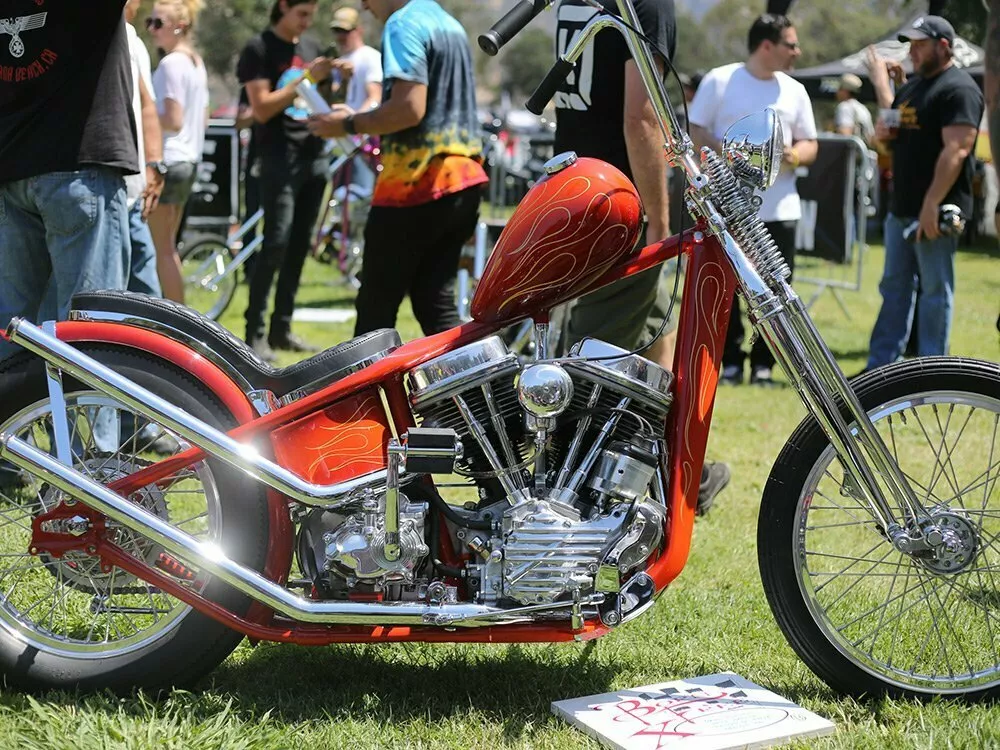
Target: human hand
x: 896, y: 72
x: 344, y: 66
x: 151, y: 195
x: 330, y: 125
x: 319, y: 69
x: 928, y: 229
x: 790, y: 157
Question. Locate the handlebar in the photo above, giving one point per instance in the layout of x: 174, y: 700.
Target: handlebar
x: 508, y: 27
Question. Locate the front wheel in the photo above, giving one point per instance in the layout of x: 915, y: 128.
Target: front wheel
x: 203, y: 264
x: 866, y: 618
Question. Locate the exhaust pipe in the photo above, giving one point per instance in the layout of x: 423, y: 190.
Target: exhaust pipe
x: 214, y: 442
x: 211, y: 559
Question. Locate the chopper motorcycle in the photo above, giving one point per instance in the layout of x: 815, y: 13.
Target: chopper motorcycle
x: 305, y: 504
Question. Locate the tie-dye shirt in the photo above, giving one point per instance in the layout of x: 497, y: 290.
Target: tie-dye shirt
x: 421, y: 43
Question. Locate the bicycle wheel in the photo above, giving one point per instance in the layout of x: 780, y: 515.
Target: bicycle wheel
x: 202, y: 265
x: 67, y: 622
x: 865, y: 617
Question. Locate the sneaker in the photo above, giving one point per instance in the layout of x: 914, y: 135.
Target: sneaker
x: 714, y: 478
x: 261, y: 348
x: 761, y: 376
x: 731, y: 375
x: 289, y: 342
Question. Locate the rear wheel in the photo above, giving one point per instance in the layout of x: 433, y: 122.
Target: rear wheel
x: 865, y: 617
x: 65, y: 622
x: 202, y: 265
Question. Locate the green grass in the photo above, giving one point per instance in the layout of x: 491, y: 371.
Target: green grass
x: 714, y: 618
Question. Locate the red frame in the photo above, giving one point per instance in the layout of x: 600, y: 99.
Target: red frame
x: 703, y: 318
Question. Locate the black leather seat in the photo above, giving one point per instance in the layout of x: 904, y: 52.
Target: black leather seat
x: 324, y: 367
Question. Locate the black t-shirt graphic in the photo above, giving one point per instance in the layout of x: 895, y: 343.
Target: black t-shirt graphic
x: 590, y: 105
x: 271, y: 58
x: 65, y: 88
x: 926, y: 106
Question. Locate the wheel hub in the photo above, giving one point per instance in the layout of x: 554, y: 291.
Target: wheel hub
x: 954, y: 541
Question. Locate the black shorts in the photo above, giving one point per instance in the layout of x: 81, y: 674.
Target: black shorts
x: 177, y: 183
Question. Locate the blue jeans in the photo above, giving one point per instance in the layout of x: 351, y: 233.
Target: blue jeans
x: 67, y: 231
x: 142, y: 276
x: 933, y: 262
x: 70, y: 228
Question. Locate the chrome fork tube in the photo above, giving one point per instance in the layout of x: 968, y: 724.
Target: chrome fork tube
x: 813, y: 371
x: 214, y: 442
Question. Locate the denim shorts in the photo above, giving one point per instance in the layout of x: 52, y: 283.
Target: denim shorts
x: 177, y: 183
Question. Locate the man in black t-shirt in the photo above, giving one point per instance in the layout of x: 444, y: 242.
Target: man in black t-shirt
x: 67, y: 138
x: 292, y: 167
x: 932, y: 141
x: 603, y: 111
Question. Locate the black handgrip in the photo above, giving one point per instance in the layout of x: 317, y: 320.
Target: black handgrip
x: 507, y: 27
x: 548, y: 87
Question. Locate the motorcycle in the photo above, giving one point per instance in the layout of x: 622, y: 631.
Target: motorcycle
x: 304, y: 505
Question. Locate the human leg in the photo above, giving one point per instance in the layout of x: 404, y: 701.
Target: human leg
x: 432, y: 289
x: 142, y: 277
x: 936, y: 261
x: 892, y: 325
x: 309, y: 189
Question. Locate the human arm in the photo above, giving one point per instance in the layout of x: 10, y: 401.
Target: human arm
x: 153, y: 147
x: 373, y: 96
x: 253, y: 73
x: 804, y: 146
x: 991, y: 79
x: 404, y: 109
x: 703, y: 113
x: 959, y: 140
x: 878, y: 73
x: 644, y: 144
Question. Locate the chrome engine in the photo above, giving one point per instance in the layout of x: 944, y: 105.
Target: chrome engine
x: 565, y: 457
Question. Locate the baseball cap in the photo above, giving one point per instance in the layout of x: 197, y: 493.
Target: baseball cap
x: 928, y: 27
x: 345, y: 18
x: 850, y: 82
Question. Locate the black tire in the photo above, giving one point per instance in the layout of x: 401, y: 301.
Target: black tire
x: 201, y: 260
x: 871, y: 626
x: 188, y: 645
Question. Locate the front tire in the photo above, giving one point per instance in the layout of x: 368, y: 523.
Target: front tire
x: 866, y: 618
x: 66, y: 623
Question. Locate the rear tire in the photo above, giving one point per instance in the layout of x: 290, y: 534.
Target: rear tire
x: 866, y: 618
x: 91, y: 641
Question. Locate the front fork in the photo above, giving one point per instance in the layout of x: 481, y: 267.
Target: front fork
x: 871, y: 473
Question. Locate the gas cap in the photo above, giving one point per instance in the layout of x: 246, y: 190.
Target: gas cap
x: 559, y: 162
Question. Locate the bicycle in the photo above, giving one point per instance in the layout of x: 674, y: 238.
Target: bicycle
x: 340, y: 236
x: 210, y: 267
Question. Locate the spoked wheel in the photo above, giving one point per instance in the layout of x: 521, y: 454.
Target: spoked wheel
x: 205, y: 289
x: 67, y: 619
x: 865, y: 617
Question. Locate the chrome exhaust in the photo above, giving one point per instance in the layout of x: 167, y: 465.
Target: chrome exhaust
x: 212, y: 560
x: 214, y: 442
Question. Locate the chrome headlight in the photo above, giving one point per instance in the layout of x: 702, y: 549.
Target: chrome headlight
x: 753, y: 148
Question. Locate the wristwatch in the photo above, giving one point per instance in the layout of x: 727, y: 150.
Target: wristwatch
x: 158, y: 166
x: 349, y: 125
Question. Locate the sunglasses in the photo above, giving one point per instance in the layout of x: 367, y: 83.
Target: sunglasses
x: 791, y: 45
x: 154, y: 24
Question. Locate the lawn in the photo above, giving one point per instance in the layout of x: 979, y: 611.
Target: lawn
x: 714, y: 618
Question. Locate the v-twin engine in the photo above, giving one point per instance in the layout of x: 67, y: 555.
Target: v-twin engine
x: 566, y: 457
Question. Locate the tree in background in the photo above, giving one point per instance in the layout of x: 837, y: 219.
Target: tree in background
x: 526, y: 61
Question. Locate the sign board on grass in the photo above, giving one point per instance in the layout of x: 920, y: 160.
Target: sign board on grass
x: 715, y: 712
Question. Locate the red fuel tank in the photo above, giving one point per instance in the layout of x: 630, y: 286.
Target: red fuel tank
x: 569, y: 229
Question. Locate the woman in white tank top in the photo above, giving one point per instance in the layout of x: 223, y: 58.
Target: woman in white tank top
x: 181, y: 86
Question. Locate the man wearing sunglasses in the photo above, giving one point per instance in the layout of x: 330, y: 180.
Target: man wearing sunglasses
x: 67, y: 138
x: 731, y: 92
